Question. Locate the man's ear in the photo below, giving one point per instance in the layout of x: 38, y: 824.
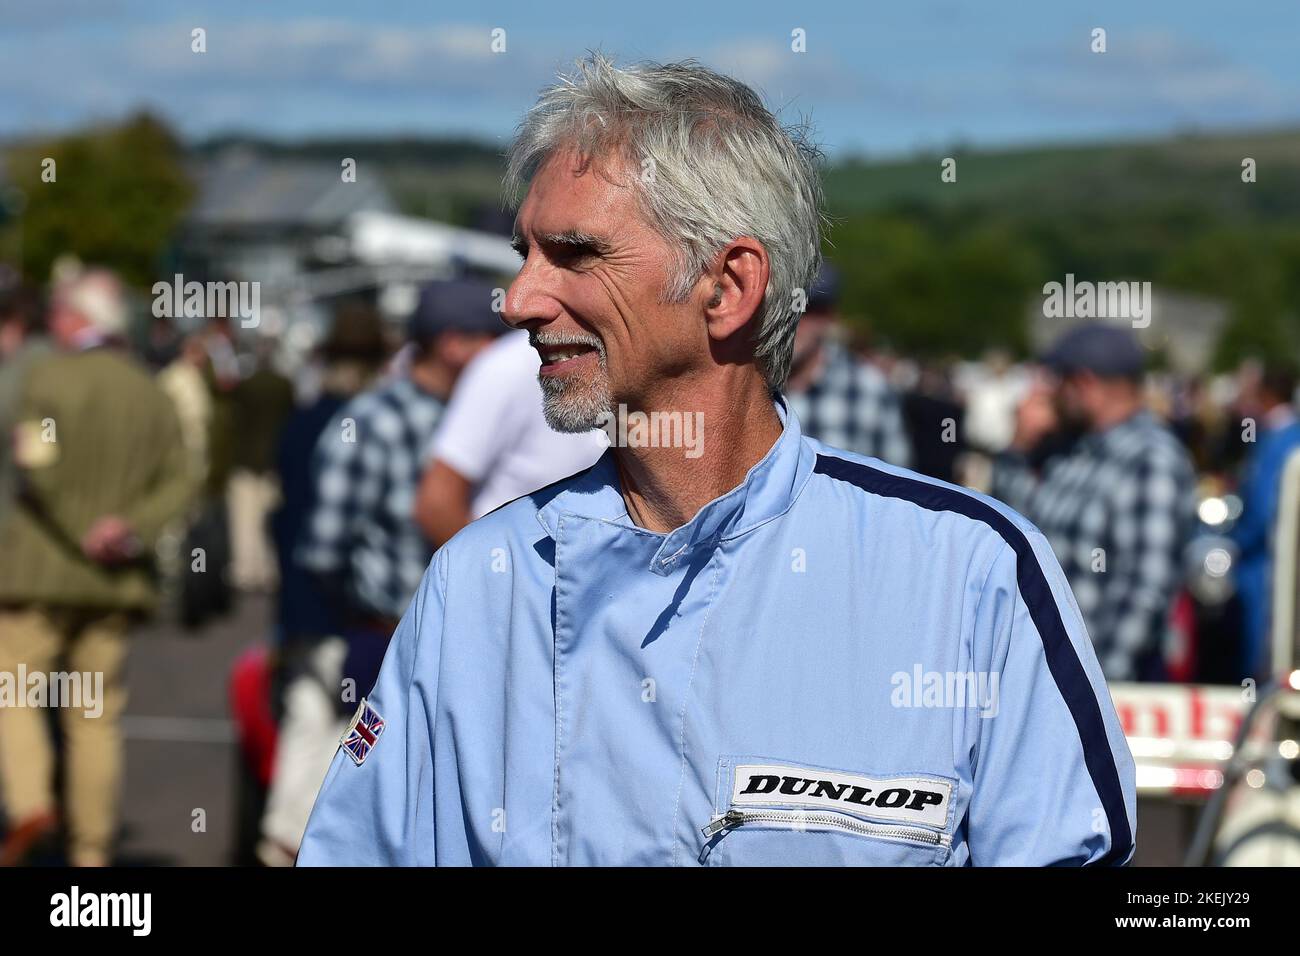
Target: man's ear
x: 733, y: 288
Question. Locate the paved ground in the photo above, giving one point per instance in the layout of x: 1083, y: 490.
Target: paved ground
x: 180, y: 751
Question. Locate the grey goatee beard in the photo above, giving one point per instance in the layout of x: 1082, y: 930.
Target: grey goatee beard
x: 571, y: 406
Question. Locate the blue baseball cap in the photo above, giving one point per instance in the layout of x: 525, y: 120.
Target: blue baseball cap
x: 460, y: 305
x: 1108, y: 351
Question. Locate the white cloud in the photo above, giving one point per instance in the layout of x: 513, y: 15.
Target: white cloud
x: 1151, y: 73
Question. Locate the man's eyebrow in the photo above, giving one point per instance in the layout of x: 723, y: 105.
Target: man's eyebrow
x: 576, y: 237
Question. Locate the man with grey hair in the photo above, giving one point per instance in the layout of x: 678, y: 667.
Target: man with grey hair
x: 769, y: 652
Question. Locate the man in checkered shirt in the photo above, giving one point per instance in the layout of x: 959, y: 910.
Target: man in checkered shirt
x: 841, y: 400
x: 362, y: 538
x: 1117, y: 506
x: 362, y: 542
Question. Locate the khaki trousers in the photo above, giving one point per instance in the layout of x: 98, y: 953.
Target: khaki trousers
x: 249, y: 499
x: 86, y: 649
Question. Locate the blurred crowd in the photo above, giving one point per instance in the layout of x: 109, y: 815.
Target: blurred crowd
x: 169, y: 472
x: 1158, y: 492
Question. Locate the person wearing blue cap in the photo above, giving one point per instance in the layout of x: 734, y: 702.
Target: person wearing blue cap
x: 1117, y: 503
x: 360, y: 535
x: 368, y: 465
x: 839, y: 398
x: 360, y: 541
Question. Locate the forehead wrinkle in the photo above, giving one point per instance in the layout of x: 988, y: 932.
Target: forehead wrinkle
x: 562, y: 175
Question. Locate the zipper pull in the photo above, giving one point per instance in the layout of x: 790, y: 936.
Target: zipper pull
x: 732, y: 818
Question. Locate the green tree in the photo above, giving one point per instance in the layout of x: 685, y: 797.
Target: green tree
x: 930, y: 292
x: 117, y: 196
x: 1255, y: 272
x: 1253, y: 332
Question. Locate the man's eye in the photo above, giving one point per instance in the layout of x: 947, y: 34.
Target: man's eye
x: 572, y: 254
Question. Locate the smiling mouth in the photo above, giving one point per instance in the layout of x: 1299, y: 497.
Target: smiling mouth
x: 559, y: 359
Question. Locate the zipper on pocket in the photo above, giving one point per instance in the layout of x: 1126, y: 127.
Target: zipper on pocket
x: 835, y: 821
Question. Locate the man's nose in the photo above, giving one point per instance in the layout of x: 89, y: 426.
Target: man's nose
x: 527, y: 304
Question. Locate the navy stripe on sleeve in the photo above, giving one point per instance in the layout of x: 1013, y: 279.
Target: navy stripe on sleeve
x: 1062, y: 661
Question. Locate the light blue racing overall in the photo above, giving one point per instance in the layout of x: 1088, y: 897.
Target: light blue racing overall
x: 837, y: 662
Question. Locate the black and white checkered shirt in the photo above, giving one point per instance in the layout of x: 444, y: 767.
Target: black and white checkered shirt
x: 1117, y: 509
x: 852, y: 406
x: 367, y: 466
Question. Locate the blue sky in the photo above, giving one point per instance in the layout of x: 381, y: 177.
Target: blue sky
x: 878, y: 78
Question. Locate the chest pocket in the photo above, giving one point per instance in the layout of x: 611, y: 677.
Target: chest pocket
x: 778, y: 813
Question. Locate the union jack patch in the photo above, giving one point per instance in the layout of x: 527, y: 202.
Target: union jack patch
x: 360, y: 737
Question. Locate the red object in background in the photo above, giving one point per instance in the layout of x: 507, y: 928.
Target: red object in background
x: 250, y: 703
x: 1180, y: 652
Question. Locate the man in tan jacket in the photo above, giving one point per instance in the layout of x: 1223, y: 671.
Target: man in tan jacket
x: 101, y: 469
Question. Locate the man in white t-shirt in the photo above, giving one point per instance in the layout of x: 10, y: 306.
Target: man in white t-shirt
x: 493, y: 445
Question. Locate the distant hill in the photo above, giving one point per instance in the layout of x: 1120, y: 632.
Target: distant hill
x: 1200, y: 169
x: 936, y: 266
